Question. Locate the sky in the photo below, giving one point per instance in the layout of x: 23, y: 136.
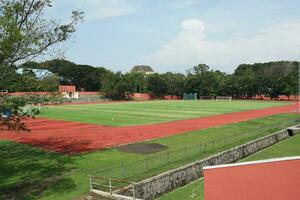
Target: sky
x: 174, y: 35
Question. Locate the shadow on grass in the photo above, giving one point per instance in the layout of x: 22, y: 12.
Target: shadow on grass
x: 25, y: 172
x: 61, y: 144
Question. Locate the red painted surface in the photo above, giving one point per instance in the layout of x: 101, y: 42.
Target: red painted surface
x: 146, y: 96
x: 30, y: 93
x: 169, y: 97
x: 281, y: 98
x: 279, y: 180
x: 75, y: 137
x: 143, y: 96
x: 66, y: 88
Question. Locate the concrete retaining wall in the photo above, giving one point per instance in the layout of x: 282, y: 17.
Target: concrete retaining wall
x: 163, y: 183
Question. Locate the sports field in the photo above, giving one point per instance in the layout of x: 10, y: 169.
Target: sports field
x: 149, y: 112
x: 35, y: 173
x: 71, y: 137
x: 27, y: 172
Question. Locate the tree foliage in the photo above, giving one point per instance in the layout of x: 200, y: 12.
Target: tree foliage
x: 114, y: 86
x: 174, y: 83
x: 156, y: 85
x: 271, y: 79
x: 84, y: 77
x: 24, y: 35
x: 14, y: 111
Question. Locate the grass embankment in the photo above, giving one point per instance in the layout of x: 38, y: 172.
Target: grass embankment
x: 289, y: 147
x: 31, y: 173
x: 149, y: 112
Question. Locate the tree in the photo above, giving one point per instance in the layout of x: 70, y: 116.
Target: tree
x: 136, y: 82
x: 156, y: 85
x: 13, y: 111
x: 24, y: 35
x: 199, y: 69
x: 114, y: 86
x: 270, y: 79
x: 174, y: 82
x: 246, y: 81
x: 10, y: 80
x: 24, y: 32
x: 84, y: 77
x: 48, y: 83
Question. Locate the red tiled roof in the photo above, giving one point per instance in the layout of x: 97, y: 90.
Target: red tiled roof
x: 66, y: 88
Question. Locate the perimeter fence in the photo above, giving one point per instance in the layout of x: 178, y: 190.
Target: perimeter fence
x: 153, y: 164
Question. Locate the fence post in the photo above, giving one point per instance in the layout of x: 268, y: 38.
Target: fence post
x: 200, y: 147
x: 133, y: 191
x: 147, y: 164
x: 110, y: 188
x: 122, y: 169
x: 91, y: 182
x: 168, y: 156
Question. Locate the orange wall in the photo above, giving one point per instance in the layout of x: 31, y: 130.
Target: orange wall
x: 145, y: 96
x: 281, y: 97
x: 264, y: 181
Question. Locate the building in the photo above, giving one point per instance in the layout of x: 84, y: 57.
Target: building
x: 69, y: 91
x: 142, y: 69
x: 39, y: 73
x: 273, y: 179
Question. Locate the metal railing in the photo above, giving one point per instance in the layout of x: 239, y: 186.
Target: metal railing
x: 113, y: 187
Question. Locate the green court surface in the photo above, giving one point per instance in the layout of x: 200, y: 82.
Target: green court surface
x: 288, y: 147
x: 149, y: 112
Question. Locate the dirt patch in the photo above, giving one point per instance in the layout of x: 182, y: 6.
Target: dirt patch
x: 142, y: 148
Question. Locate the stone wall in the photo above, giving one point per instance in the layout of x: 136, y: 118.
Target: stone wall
x: 168, y: 181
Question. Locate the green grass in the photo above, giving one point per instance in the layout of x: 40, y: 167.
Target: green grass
x: 149, y: 112
x: 31, y: 173
x: 288, y: 147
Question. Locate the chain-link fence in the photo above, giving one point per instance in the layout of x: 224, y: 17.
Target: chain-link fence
x: 156, y: 163
x: 88, y: 99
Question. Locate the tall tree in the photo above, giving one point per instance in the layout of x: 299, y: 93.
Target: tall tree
x: 114, y: 86
x: 136, y: 82
x: 198, y: 69
x: 156, y: 85
x: 24, y: 35
x: 84, y: 77
x: 175, y: 83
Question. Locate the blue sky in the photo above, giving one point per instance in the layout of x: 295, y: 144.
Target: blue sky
x: 173, y: 35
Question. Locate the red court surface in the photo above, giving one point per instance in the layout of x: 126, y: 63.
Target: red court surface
x: 76, y: 137
x: 275, y: 179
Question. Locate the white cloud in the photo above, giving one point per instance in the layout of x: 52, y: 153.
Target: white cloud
x: 191, y: 47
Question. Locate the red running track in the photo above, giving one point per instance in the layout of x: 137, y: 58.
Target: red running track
x: 74, y: 137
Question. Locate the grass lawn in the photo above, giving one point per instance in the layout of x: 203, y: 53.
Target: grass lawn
x: 149, y: 112
x: 288, y: 147
x: 31, y: 173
